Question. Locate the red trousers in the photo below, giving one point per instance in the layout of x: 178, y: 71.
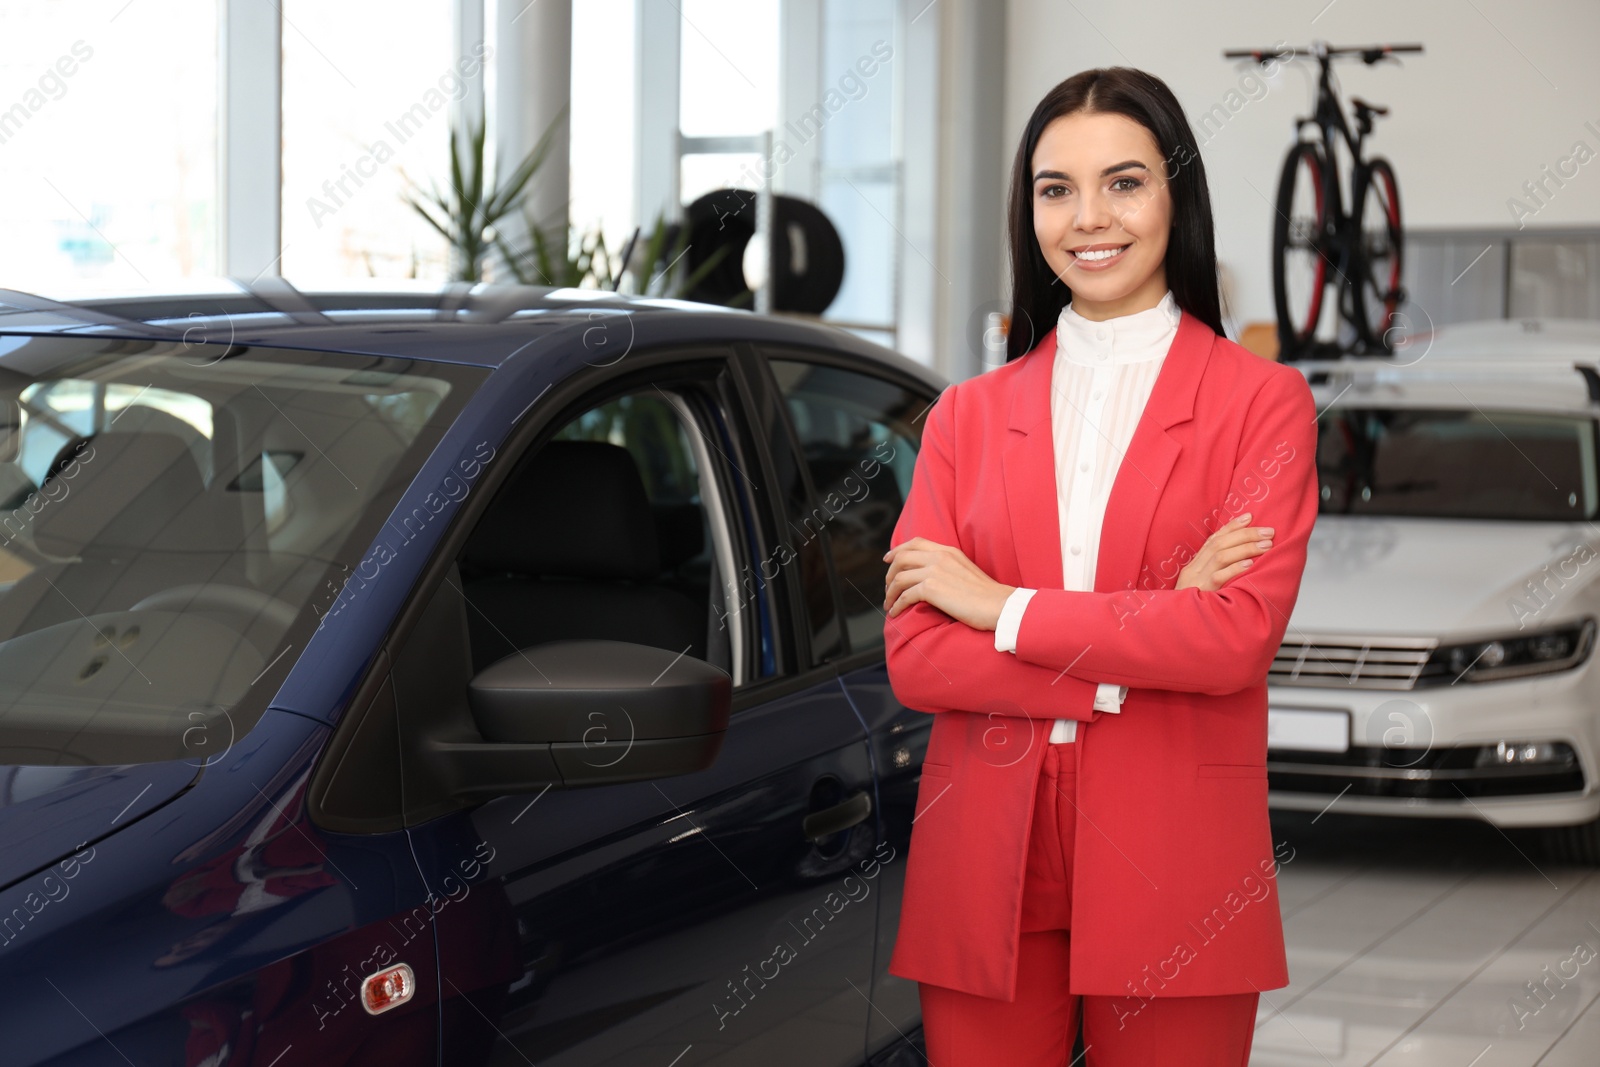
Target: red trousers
x: 1039, y: 1027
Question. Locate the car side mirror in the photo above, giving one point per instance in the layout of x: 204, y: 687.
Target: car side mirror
x: 588, y: 712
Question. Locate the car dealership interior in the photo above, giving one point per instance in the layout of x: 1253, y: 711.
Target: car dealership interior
x: 409, y: 405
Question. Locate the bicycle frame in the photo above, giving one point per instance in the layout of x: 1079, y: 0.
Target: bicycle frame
x: 1336, y: 240
x: 1328, y: 117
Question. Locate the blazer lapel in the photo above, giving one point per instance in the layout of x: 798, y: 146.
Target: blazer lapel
x: 1030, y: 471
x: 1030, y: 466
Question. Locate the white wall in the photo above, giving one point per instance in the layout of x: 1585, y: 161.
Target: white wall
x: 1503, y: 90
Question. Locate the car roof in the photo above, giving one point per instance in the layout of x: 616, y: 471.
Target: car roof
x: 1498, y: 364
x: 1509, y: 339
x: 475, y: 324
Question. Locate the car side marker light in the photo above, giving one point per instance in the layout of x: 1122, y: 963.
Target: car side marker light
x: 389, y: 988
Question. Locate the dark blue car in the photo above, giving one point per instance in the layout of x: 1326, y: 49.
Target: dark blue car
x: 458, y: 676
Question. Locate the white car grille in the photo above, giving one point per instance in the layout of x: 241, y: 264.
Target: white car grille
x: 1342, y: 660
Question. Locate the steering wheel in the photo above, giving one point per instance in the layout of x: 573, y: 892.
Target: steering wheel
x: 234, y: 598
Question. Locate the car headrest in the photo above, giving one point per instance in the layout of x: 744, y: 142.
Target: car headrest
x: 139, y: 491
x: 577, y: 510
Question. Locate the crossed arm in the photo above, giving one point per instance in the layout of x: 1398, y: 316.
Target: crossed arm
x: 1191, y: 640
x: 939, y: 663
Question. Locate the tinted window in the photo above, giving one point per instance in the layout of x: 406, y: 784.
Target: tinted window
x: 796, y: 557
x: 859, y: 435
x: 604, y: 533
x: 1464, y: 464
x: 168, y: 520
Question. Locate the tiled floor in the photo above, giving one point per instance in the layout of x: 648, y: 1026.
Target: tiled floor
x: 1426, y: 942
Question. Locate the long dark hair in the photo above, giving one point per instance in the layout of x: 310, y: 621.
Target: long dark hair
x: 1037, y: 294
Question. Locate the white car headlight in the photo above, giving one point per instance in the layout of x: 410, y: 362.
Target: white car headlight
x: 1558, y: 648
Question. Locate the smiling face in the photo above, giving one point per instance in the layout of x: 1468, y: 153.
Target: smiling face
x: 1099, y: 186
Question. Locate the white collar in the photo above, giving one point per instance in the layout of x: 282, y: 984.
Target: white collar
x: 1131, y: 338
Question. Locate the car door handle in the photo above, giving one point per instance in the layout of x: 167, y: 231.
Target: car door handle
x: 820, y: 824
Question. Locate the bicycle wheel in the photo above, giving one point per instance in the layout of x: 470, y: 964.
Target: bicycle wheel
x: 1377, y: 290
x: 1299, y: 252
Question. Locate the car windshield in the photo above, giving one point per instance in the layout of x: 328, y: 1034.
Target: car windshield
x: 1459, y: 464
x: 173, y: 522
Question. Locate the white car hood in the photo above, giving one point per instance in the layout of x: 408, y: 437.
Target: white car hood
x: 1436, y: 577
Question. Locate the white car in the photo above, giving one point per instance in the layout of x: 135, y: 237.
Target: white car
x: 1439, y: 658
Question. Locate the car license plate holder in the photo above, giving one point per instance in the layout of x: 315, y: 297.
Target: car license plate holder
x: 1308, y: 729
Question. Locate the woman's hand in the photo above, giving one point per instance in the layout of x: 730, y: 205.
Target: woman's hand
x: 1225, y: 555
x: 925, y: 571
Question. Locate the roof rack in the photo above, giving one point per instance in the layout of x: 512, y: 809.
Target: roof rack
x: 1325, y: 371
x: 1591, y: 379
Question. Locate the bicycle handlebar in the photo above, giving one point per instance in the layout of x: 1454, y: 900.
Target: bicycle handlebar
x: 1368, y: 53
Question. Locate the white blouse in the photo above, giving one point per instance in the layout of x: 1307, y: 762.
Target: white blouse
x: 1101, y: 379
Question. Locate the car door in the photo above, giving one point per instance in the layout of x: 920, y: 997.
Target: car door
x: 725, y: 915
x: 857, y: 429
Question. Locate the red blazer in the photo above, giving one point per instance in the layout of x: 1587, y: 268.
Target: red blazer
x: 1174, y: 889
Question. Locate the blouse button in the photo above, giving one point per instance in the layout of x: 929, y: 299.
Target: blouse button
x: 1083, y: 466
x: 1077, y: 550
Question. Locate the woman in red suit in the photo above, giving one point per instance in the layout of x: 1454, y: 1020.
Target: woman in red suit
x: 1093, y: 571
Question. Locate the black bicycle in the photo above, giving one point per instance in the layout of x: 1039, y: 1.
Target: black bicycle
x: 1315, y: 241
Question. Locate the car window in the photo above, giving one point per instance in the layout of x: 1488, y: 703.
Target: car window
x: 1457, y: 463
x: 616, y: 528
x: 859, y: 435
x: 169, y: 525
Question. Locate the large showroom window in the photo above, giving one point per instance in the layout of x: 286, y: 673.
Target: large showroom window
x: 356, y: 123
x: 600, y: 179
x: 858, y: 175
x: 108, y: 137
x: 728, y: 88
x: 746, y: 68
